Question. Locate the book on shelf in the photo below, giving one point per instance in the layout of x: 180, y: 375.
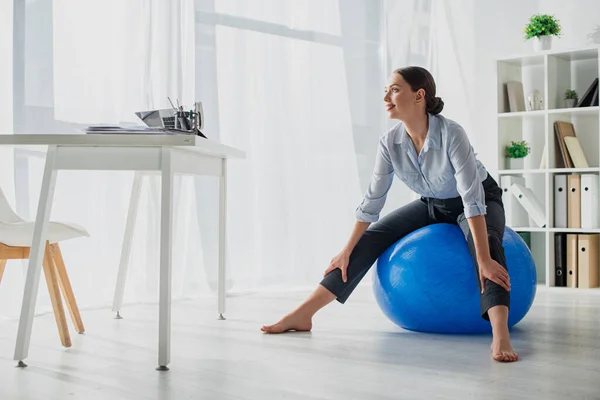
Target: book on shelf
x: 576, y: 152
x: 516, y: 98
x: 561, y: 130
x: 590, y: 98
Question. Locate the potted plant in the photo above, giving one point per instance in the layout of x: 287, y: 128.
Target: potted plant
x: 541, y: 28
x: 570, y: 98
x: 515, y: 154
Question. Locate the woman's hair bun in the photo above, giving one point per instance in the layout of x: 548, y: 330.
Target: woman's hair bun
x: 435, y: 106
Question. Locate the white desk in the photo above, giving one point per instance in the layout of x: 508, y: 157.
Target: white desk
x: 168, y: 154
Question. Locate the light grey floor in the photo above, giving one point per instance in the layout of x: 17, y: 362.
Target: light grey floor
x: 354, y: 352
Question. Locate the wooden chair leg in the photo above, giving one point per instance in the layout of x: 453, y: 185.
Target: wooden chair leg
x: 65, y: 286
x: 2, y: 266
x: 54, y: 290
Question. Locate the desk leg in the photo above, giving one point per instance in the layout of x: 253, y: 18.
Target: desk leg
x: 222, y: 238
x: 35, y: 258
x: 166, y: 236
x: 134, y: 202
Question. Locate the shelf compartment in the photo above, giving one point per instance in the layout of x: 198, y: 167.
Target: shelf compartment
x: 530, y: 72
x: 586, y: 126
x: 570, y: 70
x: 532, y: 130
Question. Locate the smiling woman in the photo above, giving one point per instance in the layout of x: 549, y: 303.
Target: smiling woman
x: 405, y: 81
x: 455, y: 188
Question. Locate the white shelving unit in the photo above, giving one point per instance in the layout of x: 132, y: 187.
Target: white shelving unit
x: 551, y: 73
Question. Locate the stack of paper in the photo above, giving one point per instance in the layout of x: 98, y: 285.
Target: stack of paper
x: 129, y: 129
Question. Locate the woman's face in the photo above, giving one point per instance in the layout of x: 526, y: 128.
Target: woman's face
x: 400, y: 101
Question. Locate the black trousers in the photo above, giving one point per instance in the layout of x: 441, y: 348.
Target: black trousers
x: 417, y: 214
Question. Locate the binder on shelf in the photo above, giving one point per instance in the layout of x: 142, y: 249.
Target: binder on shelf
x: 516, y: 216
x: 587, y: 263
x: 560, y: 201
x: 572, y: 260
x: 574, y: 201
x: 560, y: 259
x: 530, y: 203
x: 589, y: 201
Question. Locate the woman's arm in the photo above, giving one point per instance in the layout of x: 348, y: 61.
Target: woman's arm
x: 381, y: 181
x: 471, y: 190
x: 488, y: 267
x: 368, y: 210
x: 342, y: 260
x: 480, y: 237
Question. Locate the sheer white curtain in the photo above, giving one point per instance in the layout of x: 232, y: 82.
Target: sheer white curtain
x: 110, y: 59
x: 286, y: 102
x: 114, y: 57
x: 298, y: 103
x: 438, y: 35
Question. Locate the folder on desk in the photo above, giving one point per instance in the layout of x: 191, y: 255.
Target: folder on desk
x: 560, y: 201
x: 530, y: 203
x: 587, y: 263
x: 560, y: 259
x: 516, y: 216
x: 572, y: 252
x: 589, y: 201
x: 574, y: 201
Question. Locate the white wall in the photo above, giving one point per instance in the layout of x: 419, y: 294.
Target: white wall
x: 579, y: 19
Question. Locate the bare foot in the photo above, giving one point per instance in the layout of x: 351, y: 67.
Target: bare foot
x: 502, y: 350
x: 291, y: 322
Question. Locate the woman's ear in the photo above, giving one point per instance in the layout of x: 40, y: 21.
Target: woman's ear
x: 420, y: 97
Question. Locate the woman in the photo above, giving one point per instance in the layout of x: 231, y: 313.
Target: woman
x: 432, y: 156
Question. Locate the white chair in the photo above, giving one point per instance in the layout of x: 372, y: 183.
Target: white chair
x: 16, y: 236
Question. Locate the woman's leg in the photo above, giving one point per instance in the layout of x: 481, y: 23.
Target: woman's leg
x: 371, y: 245
x: 495, y: 300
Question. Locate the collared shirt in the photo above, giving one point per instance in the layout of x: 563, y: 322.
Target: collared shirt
x: 446, y: 167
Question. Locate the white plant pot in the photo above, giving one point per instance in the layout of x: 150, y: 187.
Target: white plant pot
x: 570, y: 103
x: 515, y: 163
x: 542, y: 43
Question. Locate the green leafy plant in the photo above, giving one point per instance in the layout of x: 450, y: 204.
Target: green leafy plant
x: 542, y: 25
x: 570, y: 94
x: 517, y: 149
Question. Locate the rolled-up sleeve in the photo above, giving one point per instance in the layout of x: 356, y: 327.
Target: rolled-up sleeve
x: 464, y: 162
x: 381, y: 181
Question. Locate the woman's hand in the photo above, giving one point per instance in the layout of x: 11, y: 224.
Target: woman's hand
x: 340, y: 261
x: 490, y: 269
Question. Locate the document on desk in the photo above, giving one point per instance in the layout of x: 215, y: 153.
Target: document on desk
x: 144, y: 130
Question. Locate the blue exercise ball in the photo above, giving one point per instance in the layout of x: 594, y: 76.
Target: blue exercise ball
x: 426, y: 281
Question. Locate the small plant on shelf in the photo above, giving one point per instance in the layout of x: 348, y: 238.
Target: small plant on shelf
x: 542, y: 25
x: 541, y: 28
x: 515, y: 153
x: 570, y: 98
